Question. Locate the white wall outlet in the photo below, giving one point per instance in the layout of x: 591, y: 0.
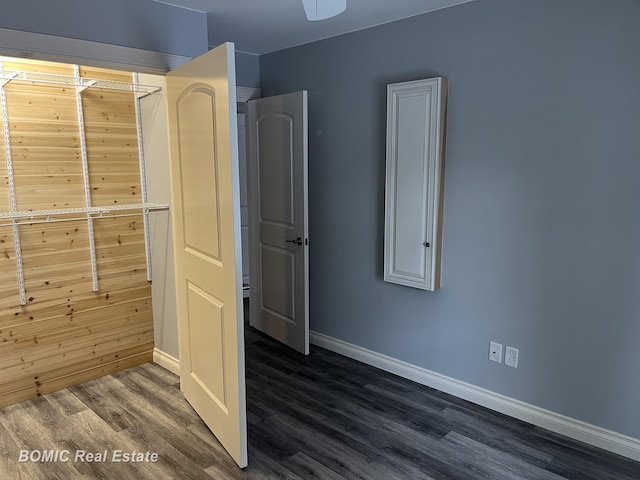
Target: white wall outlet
x: 511, y: 357
x: 495, y: 352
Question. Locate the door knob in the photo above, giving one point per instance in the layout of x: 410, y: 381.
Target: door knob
x: 297, y: 241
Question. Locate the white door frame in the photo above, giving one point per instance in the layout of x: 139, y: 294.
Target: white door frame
x: 243, y: 95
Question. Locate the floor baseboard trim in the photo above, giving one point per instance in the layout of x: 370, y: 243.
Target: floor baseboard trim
x: 167, y: 361
x: 569, y: 427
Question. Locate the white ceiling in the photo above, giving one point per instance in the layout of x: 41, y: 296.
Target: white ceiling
x: 263, y: 26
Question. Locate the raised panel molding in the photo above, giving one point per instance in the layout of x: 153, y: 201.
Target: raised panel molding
x: 199, y: 176
x: 414, y: 182
x: 278, y: 264
x: 276, y: 169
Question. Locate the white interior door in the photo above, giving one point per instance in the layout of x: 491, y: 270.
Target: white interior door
x: 277, y: 128
x: 206, y: 220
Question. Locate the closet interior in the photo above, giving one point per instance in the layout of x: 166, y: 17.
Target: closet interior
x: 75, y: 271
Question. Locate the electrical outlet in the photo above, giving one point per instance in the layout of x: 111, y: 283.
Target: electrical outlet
x: 495, y: 352
x: 511, y: 357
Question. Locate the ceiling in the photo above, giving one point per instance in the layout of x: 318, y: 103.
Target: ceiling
x: 263, y: 26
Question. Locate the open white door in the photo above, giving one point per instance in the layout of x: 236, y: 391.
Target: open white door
x: 206, y: 220
x: 278, y: 223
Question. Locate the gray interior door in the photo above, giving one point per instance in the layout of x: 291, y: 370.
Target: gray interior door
x: 277, y: 129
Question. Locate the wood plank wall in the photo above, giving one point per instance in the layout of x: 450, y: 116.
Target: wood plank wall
x: 67, y: 333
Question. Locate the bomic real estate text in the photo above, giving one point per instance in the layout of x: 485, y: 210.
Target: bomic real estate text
x: 82, y: 456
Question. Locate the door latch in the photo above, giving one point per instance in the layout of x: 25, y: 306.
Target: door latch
x: 297, y: 241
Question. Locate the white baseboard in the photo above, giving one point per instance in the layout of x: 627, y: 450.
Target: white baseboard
x: 570, y: 427
x: 167, y: 361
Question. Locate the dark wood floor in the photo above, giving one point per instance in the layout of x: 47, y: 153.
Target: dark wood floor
x: 323, y: 416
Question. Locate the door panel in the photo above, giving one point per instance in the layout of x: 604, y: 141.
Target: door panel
x: 207, y: 243
x: 198, y: 178
x: 278, y: 269
x: 276, y: 168
x: 206, y: 335
x: 277, y: 128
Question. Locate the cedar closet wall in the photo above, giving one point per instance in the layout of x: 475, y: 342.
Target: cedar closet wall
x: 67, y: 333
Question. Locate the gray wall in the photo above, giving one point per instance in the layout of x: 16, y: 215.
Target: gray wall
x: 247, y: 69
x: 541, y: 219
x: 142, y: 24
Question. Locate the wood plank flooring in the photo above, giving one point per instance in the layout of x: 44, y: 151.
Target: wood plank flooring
x: 318, y: 417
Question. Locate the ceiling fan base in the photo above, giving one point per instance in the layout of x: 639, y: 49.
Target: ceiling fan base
x: 323, y: 9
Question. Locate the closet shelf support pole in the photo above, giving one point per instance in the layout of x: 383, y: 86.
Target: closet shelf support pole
x: 143, y: 179
x: 87, y: 188
x: 12, y: 192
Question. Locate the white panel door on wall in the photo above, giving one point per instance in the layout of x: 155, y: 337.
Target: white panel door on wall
x: 206, y: 220
x: 277, y: 128
x: 414, y: 183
